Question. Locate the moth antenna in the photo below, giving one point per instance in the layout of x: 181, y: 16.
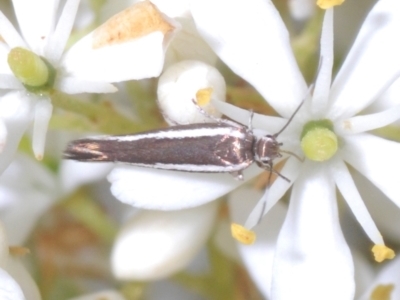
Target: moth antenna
x: 264, y: 205
x: 309, y: 93
x: 217, y: 120
x: 292, y: 116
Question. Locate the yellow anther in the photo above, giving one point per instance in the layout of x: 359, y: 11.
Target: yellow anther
x: 203, y: 96
x: 242, y: 234
x: 382, y: 292
x: 381, y: 253
x: 325, y: 4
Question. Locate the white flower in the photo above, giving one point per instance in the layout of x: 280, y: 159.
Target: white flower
x: 155, y: 244
x: 27, y: 190
x: 118, y: 50
x: 15, y: 281
x: 311, y: 231
x: 184, y: 82
x: 187, y: 44
x: 312, y: 258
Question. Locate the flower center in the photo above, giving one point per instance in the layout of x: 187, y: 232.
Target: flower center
x: 318, y: 140
x: 34, y: 72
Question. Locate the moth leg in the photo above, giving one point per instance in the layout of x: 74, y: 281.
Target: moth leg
x: 238, y: 175
x: 279, y: 174
x: 250, y: 125
x: 270, y: 168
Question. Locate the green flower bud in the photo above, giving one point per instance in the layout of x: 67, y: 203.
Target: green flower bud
x: 35, y: 73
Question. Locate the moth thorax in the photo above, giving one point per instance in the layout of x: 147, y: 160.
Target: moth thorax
x: 266, y: 149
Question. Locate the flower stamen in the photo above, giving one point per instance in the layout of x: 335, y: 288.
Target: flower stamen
x: 382, y: 292
x: 381, y: 253
x: 203, y: 96
x: 325, y: 4
x: 242, y: 234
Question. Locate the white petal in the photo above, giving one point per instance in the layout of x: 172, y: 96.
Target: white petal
x: 4, y: 251
x: 364, y: 123
x: 374, y: 157
x: 74, y: 174
x: 71, y: 85
x: 134, y: 59
x: 130, y: 45
x: 16, y: 175
x: 223, y: 241
x: 242, y: 116
x: 177, y: 88
x: 57, y: 40
x: 43, y: 112
x: 8, y: 81
x: 258, y: 258
x: 9, y: 34
x: 390, y: 98
x: 349, y: 191
x: 36, y: 21
x: 9, y: 288
x: 16, y: 113
x: 85, y: 16
x: 187, y: 44
x: 274, y: 193
x: 154, y: 244
x: 173, y: 8
x: 312, y: 258
x: 3, y: 135
x: 27, y: 190
x: 323, y: 83
x: 364, y: 272
x: 384, y: 212
x: 24, y: 279
x: 388, y: 275
x: 103, y: 295
x: 170, y: 190
x: 253, y: 41
x: 369, y: 68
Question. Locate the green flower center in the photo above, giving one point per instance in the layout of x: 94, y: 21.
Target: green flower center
x: 318, y: 140
x: 35, y: 73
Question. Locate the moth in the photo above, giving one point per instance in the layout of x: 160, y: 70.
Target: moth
x: 221, y: 147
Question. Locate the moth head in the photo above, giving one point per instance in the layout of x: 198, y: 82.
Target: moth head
x: 266, y: 149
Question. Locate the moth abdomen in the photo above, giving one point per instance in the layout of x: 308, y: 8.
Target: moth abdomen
x: 88, y: 150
